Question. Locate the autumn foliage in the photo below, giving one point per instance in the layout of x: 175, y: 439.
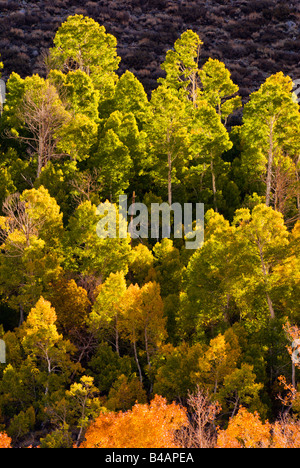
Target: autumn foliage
x: 5, y: 441
x: 286, y: 434
x: 145, y: 426
x: 246, y: 430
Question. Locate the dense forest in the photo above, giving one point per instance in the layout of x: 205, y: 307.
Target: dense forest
x: 134, y: 342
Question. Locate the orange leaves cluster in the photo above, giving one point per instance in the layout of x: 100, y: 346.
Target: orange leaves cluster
x: 290, y: 392
x: 286, y: 434
x: 145, y: 426
x: 5, y: 441
x: 246, y: 430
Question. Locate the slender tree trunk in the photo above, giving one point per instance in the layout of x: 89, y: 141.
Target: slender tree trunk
x: 169, y: 179
x: 235, y: 406
x: 49, y: 372
x: 194, y: 89
x: 294, y: 375
x: 137, y: 362
x: 147, y: 348
x: 270, y: 305
x: 117, y: 337
x: 216, y: 383
x: 21, y: 320
x: 81, y: 427
x: 214, y: 186
x: 298, y: 182
x: 226, y: 308
x: 270, y: 165
x: 110, y: 191
x: 131, y: 219
x: 40, y: 155
x: 265, y: 274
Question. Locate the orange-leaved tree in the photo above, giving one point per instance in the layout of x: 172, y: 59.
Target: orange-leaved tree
x: 286, y: 433
x: 245, y: 430
x: 145, y: 426
x: 5, y: 441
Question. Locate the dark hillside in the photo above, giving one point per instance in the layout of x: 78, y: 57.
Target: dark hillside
x: 254, y: 38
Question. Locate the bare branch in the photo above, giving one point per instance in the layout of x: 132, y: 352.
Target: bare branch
x: 200, y: 433
x: 43, y: 115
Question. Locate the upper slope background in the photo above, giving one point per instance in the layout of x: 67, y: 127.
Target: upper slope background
x: 253, y: 38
